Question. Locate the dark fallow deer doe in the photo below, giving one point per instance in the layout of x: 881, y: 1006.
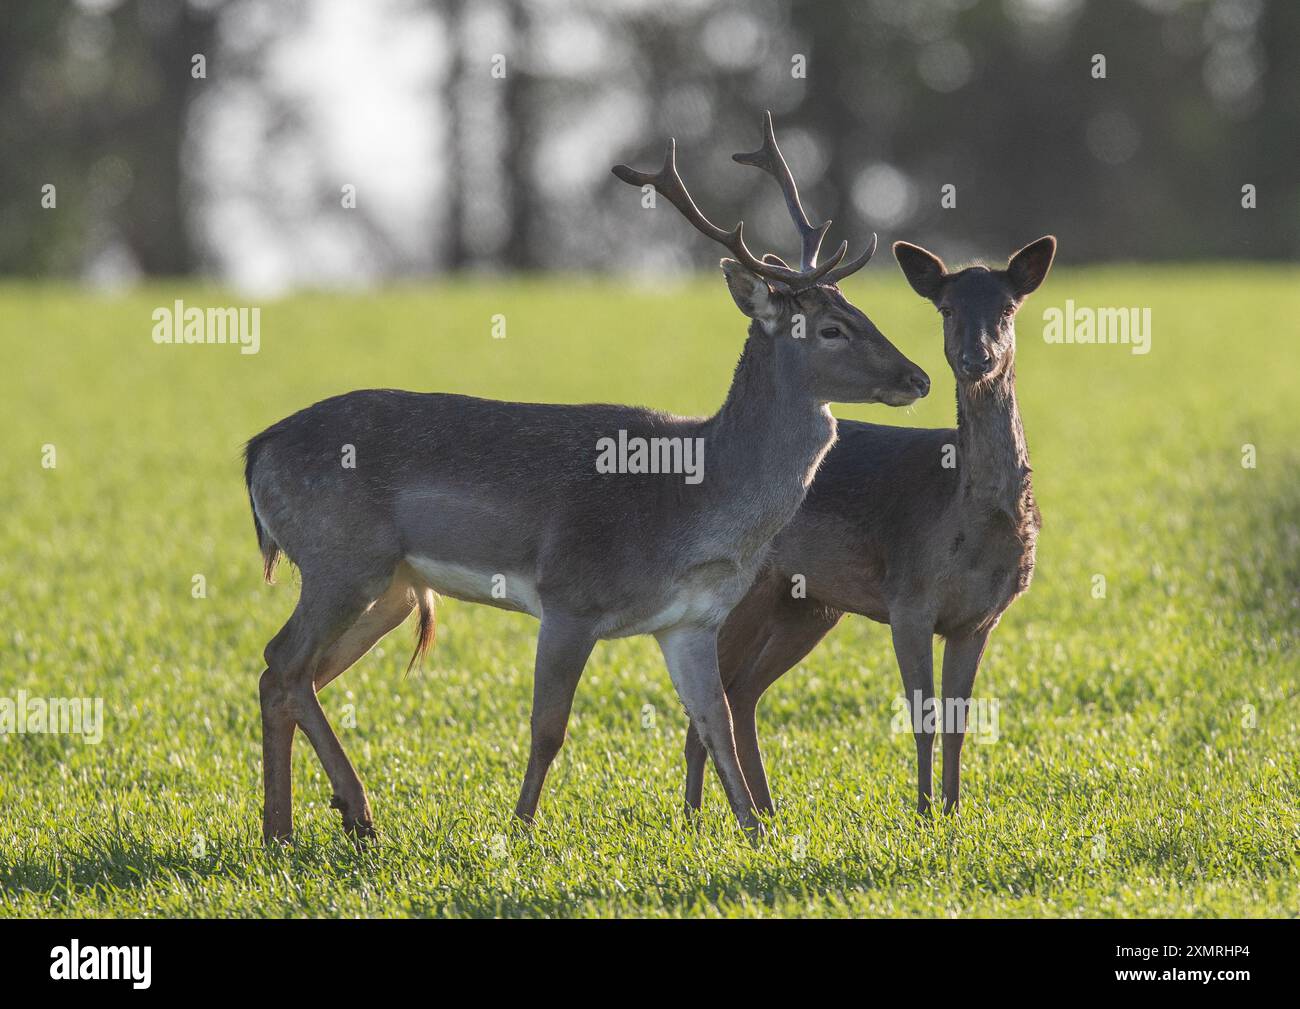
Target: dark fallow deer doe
x: 505, y: 504
x: 889, y: 533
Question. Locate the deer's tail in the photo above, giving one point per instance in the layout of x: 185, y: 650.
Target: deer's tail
x: 265, y: 542
x: 425, y: 629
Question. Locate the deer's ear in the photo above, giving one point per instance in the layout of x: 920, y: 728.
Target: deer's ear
x: 752, y: 294
x: 924, y: 270
x: 1028, y: 267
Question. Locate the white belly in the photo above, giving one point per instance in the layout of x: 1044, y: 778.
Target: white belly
x: 702, y: 600
x: 504, y: 589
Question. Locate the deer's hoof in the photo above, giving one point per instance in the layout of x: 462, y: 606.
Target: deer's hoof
x: 276, y: 840
x: 361, y: 830
x: 357, y: 821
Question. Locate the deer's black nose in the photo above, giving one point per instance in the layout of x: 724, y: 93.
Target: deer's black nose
x: 920, y: 384
x: 976, y: 363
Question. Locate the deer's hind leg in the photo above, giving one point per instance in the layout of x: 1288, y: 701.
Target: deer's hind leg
x: 794, y: 628
x: 741, y: 640
x: 740, y: 644
x: 327, y: 610
x: 692, y: 657
x: 801, y: 625
x: 386, y: 613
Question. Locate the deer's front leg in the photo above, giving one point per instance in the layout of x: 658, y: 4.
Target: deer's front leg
x: 961, y: 661
x: 692, y: 657
x: 563, y: 646
x: 745, y: 730
x: 914, y: 649
x: 696, y: 758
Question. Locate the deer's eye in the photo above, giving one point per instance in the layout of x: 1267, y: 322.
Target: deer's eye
x: 945, y: 311
x: 1009, y: 311
x: 831, y: 333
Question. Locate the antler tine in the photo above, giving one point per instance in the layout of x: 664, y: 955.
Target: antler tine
x: 768, y: 158
x: 853, y: 266
x: 668, y: 183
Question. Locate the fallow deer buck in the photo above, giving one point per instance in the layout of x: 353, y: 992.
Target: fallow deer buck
x: 462, y: 496
x: 889, y: 533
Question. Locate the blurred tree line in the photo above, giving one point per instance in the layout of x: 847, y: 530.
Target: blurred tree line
x: 1130, y: 128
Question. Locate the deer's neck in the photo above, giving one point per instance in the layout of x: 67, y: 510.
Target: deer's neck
x: 992, y: 457
x: 764, y: 444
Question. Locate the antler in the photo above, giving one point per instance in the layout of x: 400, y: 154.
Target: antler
x: 668, y: 183
x: 853, y: 265
x: 768, y: 158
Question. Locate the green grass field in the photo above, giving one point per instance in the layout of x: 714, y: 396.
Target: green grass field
x: 1149, y: 757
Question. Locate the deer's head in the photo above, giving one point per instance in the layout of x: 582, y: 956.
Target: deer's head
x: 825, y: 345
x: 978, y: 304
